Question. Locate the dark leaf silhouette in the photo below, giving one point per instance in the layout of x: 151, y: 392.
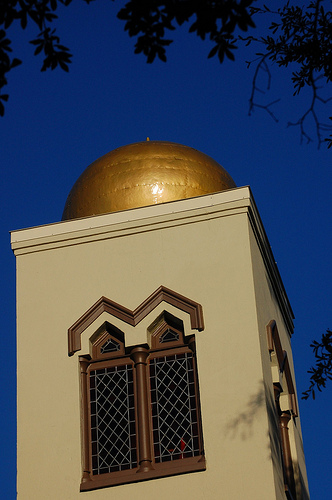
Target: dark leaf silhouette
x: 322, y: 371
x: 298, y: 36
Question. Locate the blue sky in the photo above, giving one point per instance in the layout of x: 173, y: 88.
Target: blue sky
x: 56, y: 124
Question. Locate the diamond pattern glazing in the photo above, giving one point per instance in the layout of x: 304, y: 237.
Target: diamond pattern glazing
x: 174, y: 412
x: 168, y: 336
x: 113, y: 432
x: 110, y: 346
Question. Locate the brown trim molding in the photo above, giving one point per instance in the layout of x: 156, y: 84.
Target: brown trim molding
x: 274, y: 344
x: 141, y: 358
x: 162, y: 294
x: 193, y: 464
x: 84, y: 364
x: 287, y: 463
x: 139, y: 355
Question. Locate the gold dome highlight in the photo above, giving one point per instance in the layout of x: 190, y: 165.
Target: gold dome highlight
x: 141, y: 174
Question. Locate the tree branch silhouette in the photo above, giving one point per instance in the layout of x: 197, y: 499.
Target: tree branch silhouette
x: 322, y: 371
x: 301, y: 37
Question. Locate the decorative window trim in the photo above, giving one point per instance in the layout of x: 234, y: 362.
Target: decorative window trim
x: 284, y: 416
x: 165, y: 322
x: 140, y: 357
x: 104, y: 333
x: 194, y: 309
x: 274, y: 345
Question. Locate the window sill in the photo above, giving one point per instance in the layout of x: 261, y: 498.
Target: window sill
x: 165, y: 469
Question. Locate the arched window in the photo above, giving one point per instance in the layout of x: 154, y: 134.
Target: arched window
x: 140, y: 406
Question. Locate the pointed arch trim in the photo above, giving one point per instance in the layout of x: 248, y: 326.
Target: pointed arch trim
x: 162, y: 294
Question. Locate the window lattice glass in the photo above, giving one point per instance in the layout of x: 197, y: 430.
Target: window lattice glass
x: 174, y: 412
x: 113, y: 433
x: 110, y: 346
x: 168, y: 336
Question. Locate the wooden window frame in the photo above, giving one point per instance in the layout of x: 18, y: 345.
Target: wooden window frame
x: 286, y: 456
x: 139, y: 357
x: 284, y: 417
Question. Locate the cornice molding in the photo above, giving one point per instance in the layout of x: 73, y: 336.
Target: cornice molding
x: 80, y: 231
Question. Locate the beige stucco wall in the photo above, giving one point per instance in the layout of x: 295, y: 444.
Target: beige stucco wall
x: 201, y: 248
x: 268, y: 308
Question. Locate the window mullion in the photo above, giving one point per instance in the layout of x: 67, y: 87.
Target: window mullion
x: 139, y: 356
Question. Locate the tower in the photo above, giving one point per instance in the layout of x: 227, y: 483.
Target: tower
x: 154, y: 333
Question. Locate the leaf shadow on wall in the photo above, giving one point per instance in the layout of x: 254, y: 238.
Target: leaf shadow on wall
x: 259, y: 403
x: 243, y: 424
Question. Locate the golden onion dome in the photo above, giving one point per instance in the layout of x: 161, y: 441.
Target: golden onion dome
x: 141, y: 174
